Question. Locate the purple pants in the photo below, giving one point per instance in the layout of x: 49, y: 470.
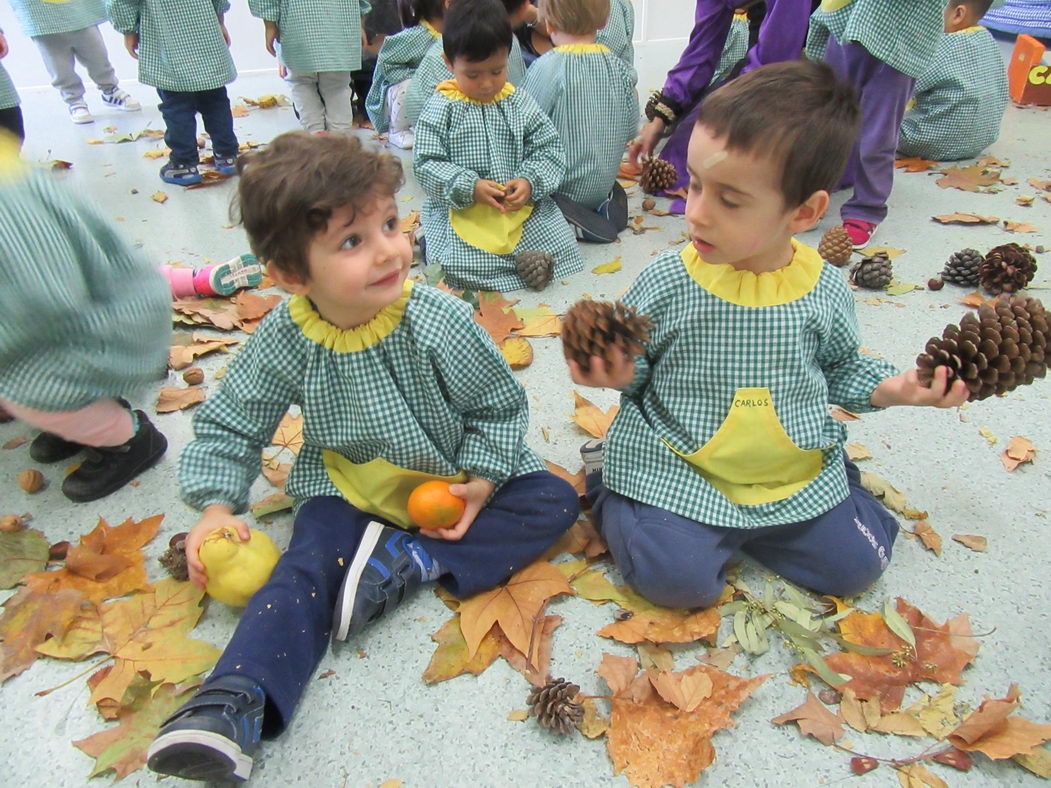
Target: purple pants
x: 883, y: 93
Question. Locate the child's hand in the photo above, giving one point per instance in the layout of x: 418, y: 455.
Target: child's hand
x: 642, y: 146
x: 3, y: 46
x: 271, y: 34
x: 519, y: 190
x: 213, y: 518
x: 131, y: 43
x: 225, y: 32
x: 475, y: 492
x: 906, y: 389
x: 489, y: 193
x: 282, y: 70
x: 618, y: 374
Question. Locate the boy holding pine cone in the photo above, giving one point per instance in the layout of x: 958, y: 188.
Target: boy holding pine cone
x: 724, y: 440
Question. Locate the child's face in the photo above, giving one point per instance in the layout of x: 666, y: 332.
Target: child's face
x: 735, y: 211
x: 481, y: 80
x: 358, y: 263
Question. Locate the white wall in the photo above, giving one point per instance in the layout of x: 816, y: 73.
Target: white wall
x: 661, y: 29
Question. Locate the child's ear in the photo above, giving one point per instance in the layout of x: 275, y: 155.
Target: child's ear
x: 448, y: 63
x: 290, y: 283
x: 809, y: 212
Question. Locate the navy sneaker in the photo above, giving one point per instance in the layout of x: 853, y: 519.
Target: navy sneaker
x: 227, y: 165
x: 615, y: 208
x: 588, y: 225
x: 382, y: 574
x: 213, y: 735
x: 180, y: 174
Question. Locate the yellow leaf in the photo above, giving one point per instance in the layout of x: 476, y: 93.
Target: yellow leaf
x: 987, y: 433
x: 1038, y: 761
x: 518, y: 715
x: 590, y: 419
x: 857, y: 451
x: 890, y: 251
x: 517, y: 351
x: 160, y: 197
x: 608, y: 268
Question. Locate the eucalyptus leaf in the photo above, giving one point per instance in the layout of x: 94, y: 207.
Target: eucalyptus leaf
x: 799, y: 635
x: 898, y: 625
x: 757, y: 636
x: 731, y: 608
x: 796, y: 598
x: 768, y: 595
x: 823, y: 670
x: 858, y: 648
x: 795, y: 613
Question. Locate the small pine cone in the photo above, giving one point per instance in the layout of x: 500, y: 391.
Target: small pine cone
x: 174, y: 559
x: 657, y: 175
x: 1006, y: 269
x: 836, y: 247
x: 554, y: 705
x: 873, y: 273
x: 536, y: 268
x: 962, y: 267
x: 595, y: 328
x: 1002, y: 347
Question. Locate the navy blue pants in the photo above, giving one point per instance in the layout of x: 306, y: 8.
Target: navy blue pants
x: 180, y: 110
x: 678, y: 562
x: 284, y: 630
x: 11, y: 119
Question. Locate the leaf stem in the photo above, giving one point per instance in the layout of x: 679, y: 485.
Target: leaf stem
x: 88, y: 670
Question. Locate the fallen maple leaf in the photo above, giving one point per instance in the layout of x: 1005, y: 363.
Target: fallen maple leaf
x: 976, y: 299
x: 968, y: 179
x: 1025, y: 200
x: 859, y: 714
x: 893, y: 498
x: 931, y: 539
x: 590, y: 419
x: 990, y: 730
x: 629, y: 171
x: 889, y: 251
x: 842, y: 414
x: 171, y: 398
x: 451, y: 657
x: 276, y: 502
x: 1038, y: 184
x: 409, y: 222
x: 1037, y: 760
x: 185, y: 348
x: 517, y: 352
x: 14, y: 443
x: 539, y: 322
x: 289, y: 433
x: 160, y: 197
x: 814, y: 719
x: 268, y: 101
x: 916, y: 775
x: 686, y: 689
x: 858, y: 451
x: 658, y: 624
x: 536, y: 670
x: 972, y: 541
x: 219, y: 312
x: 1019, y: 451
x: 576, y: 479
x: 966, y: 218
x: 915, y: 164
x: 1020, y: 227
x: 29, y: 619
x: 252, y: 308
x: 495, y: 316
x: 21, y: 552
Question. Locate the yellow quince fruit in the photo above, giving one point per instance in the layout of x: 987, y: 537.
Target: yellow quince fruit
x: 237, y: 569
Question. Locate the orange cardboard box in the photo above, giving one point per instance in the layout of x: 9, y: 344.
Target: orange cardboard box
x: 1029, y: 79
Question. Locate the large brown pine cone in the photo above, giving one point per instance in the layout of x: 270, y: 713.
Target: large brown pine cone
x: 836, y: 246
x: 554, y: 705
x: 597, y: 328
x: 874, y: 272
x: 1006, y: 269
x: 657, y: 175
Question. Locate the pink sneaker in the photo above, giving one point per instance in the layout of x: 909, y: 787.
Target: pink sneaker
x: 859, y: 231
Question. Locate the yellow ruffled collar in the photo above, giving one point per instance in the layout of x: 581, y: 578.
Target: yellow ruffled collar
x: 582, y: 49
x: 746, y: 288
x: 351, y: 340
x: 971, y: 29
x: 430, y: 28
x: 451, y: 90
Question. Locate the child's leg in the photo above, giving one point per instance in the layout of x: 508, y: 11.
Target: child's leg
x: 57, y: 51
x: 102, y: 423
x: 179, y: 109
x: 400, y: 133
x: 667, y: 558
x: 217, y: 279
x: 842, y: 552
x: 90, y: 50
x: 883, y: 93
x: 214, y: 106
x: 11, y: 119
x: 334, y: 87
x: 307, y: 101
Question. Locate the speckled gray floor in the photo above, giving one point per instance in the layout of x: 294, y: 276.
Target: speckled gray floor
x: 375, y: 719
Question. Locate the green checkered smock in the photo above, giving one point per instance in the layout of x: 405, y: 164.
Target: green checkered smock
x: 85, y: 317
x: 316, y: 35
x: 398, y: 59
x: 734, y: 50
x: 619, y: 31
x: 703, y: 349
x: 589, y: 94
x: 8, y: 94
x: 42, y: 18
x: 433, y: 395
x: 432, y: 71
x: 181, y: 47
x: 901, y: 34
x: 960, y: 99
x: 461, y: 141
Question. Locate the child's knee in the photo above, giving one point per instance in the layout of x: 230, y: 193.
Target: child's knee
x: 559, y: 503
x: 660, y: 588
x: 850, y: 573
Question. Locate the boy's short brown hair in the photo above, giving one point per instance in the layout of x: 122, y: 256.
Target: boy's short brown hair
x: 795, y: 112
x: 289, y: 190
x: 576, y: 17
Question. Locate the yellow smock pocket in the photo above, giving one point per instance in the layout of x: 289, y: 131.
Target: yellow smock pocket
x: 750, y: 459
x: 486, y: 228
x: 379, y: 487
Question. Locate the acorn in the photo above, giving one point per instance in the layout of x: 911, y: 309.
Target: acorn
x: 193, y: 376
x: 935, y: 284
x: 31, y: 480
x: 57, y: 551
x: 10, y: 523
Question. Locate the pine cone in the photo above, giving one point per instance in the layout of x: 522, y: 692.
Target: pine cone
x: 1003, y: 347
x: 535, y: 267
x: 657, y: 175
x: 874, y: 272
x: 836, y: 246
x: 1006, y: 269
x: 595, y: 328
x: 554, y: 707
x: 174, y: 558
x: 962, y: 267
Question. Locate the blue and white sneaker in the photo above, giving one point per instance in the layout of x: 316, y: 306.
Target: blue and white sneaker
x: 227, y: 165
x: 385, y: 570
x: 180, y: 174
x: 593, y: 453
x: 212, y: 736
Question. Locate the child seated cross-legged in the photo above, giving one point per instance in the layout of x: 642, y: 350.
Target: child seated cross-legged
x: 489, y: 158
x: 397, y: 385
x: 589, y: 94
x: 724, y: 441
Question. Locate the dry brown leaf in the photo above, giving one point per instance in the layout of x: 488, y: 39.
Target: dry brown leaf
x: 966, y: 218
x: 496, y: 316
x: 976, y: 299
x: 409, y: 222
x: 185, y: 348
x: 289, y: 433
x: 1019, y: 451
x: 653, y: 656
x: 899, y: 724
x: 658, y: 624
x: 931, y: 539
x: 1025, y: 200
x: 915, y: 164
x: 814, y: 719
x: 1037, y: 760
x: 590, y: 419
x: 686, y: 689
x: 721, y: 658
x: 629, y: 171
x: 576, y: 479
x: 916, y: 775
x: 595, y: 723
x: 14, y: 443
x: 973, y: 541
x: 160, y: 197
x: 990, y: 729
x: 549, y: 325
x: 1041, y: 185
x: 31, y: 617
x: 239, y: 111
x: 861, y: 715
x: 968, y: 179
x: 1020, y: 227
x: 252, y: 308
x: 276, y: 472
x: 842, y: 414
x: 858, y: 451
x: 451, y: 659
x: 171, y: 398
x: 219, y: 312
x: 538, y: 670
x: 517, y: 352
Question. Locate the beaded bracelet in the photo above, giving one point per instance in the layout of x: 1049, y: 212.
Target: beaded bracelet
x: 661, y: 107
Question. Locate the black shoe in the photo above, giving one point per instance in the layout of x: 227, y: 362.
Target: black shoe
x: 615, y: 208
x: 213, y: 735
x: 588, y: 224
x: 49, y: 447
x: 108, y: 468
x: 381, y: 575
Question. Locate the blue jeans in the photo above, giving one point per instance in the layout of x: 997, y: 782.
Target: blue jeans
x: 180, y: 117
x: 284, y: 630
x: 677, y: 562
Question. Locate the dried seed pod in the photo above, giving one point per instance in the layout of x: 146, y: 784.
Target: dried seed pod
x: 10, y: 523
x: 57, y: 551
x: 935, y: 284
x: 193, y: 376
x: 31, y: 480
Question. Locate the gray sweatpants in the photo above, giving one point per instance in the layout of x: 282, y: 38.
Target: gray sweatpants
x: 322, y: 99
x: 61, y: 50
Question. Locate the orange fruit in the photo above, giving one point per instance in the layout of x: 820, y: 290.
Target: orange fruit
x: 431, y: 505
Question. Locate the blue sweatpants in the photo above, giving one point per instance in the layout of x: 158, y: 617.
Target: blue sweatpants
x: 678, y: 562
x: 284, y: 630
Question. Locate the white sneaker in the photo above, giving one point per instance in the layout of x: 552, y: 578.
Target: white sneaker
x: 79, y: 113
x: 121, y: 100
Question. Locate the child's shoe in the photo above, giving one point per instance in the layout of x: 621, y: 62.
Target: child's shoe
x: 593, y: 453
x: 122, y: 100
x: 224, y: 279
x: 588, y: 225
x: 79, y: 113
x: 385, y: 570
x: 108, y: 468
x: 180, y: 174
x: 615, y: 208
x: 859, y: 231
x: 213, y: 735
x: 49, y: 447
x: 227, y: 165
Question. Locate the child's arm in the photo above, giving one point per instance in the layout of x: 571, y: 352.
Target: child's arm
x: 906, y: 389
x: 270, y: 12
x: 444, y: 180
x: 431, y: 71
x: 124, y: 16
